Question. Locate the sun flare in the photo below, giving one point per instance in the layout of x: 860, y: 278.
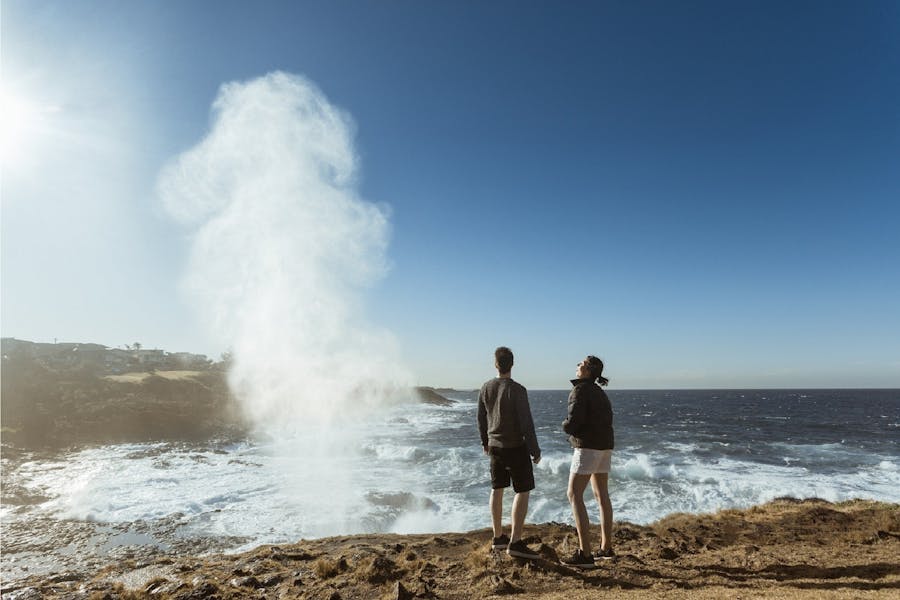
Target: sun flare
x: 21, y: 122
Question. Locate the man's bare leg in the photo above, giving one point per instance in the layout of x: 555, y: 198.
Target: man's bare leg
x: 519, y: 508
x: 497, y: 511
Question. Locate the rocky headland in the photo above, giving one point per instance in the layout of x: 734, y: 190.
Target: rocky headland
x: 784, y: 549
x: 65, y: 395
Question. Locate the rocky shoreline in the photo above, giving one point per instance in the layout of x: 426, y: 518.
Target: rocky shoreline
x: 785, y: 549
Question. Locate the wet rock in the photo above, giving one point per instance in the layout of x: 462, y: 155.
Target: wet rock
x: 163, y: 587
x: 64, y: 577
x: 77, y: 596
x: 245, y: 582
x: 428, y: 395
x: 28, y: 593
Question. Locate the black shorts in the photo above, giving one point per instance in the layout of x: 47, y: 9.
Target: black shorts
x: 511, y: 463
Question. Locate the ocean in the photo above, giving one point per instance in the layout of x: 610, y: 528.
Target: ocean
x: 415, y: 468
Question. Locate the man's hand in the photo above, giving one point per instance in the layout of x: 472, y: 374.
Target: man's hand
x: 486, y: 451
x: 536, y: 459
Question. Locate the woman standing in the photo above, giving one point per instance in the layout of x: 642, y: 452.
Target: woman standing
x: 589, y: 425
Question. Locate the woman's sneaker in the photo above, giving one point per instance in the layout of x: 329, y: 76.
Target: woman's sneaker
x: 500, y: 543
x: 604, y: 555
x: 520, y: 550
x: 579, y: 561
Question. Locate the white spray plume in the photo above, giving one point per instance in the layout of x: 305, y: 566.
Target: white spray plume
x: 283, y: 250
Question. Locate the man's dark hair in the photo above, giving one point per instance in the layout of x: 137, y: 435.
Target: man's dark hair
x: 504, y: 358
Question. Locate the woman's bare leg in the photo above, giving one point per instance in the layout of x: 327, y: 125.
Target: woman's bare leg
x: 577, y: 485
x: 599, y: 483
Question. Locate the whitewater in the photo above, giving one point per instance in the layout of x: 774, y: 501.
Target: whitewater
x: 415, y: 468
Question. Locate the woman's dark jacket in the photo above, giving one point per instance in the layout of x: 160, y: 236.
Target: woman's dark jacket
x: 589, y: 423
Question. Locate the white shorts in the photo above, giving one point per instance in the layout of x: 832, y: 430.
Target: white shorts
x: 586, y: 461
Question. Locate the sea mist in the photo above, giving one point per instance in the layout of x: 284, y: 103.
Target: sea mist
x: 283, y: 249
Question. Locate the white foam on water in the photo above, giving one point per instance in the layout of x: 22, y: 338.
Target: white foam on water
x: 416, y: 469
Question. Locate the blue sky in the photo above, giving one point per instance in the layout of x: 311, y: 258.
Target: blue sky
x: 705, y: 194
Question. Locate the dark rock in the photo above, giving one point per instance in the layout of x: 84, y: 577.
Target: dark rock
x: 547, y: 552
x: 401, y: 593
x: 381, y: 570
x: 502, y: 586
x: 667, y: 553
x: 427, y: 395
x: 272, y: 579
x: 204, y: 591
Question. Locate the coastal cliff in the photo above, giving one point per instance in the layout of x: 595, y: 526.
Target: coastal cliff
x: 63, y: 395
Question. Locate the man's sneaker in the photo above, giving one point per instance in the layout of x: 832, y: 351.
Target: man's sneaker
x: 500, y: 543
x: 520, y: 550
x: 604, y: 554
x: 579, y: 561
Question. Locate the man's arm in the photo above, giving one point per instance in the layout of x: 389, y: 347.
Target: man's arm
x: 526, y: 426
x: 482, y: 421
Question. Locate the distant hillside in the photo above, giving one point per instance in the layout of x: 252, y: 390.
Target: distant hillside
x: 102, y: 360
x: 56, y: 395
x: 59, y: 395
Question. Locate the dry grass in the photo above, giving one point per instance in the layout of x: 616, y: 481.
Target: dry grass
x: 327, y: 568
x: 378, y: 569
x: 140, y: 377
x: 782, y: 550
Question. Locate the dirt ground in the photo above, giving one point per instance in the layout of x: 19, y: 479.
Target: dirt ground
x: 785, y: 549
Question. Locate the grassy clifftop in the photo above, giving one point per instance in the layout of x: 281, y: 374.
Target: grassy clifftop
x: 43, y: 407
x: 55, y: 396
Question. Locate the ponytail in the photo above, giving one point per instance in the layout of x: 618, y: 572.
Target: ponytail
x: 596, y: 366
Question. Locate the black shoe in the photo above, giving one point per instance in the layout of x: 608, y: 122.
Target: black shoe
x: 520, y: 550
x: 500, y: 543
x: 604, y: 555
x: 579, y: 561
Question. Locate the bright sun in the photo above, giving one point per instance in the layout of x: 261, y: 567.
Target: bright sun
x: 20, y: 123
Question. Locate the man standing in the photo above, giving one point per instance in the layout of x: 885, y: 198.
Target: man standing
x: 507, y: 436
